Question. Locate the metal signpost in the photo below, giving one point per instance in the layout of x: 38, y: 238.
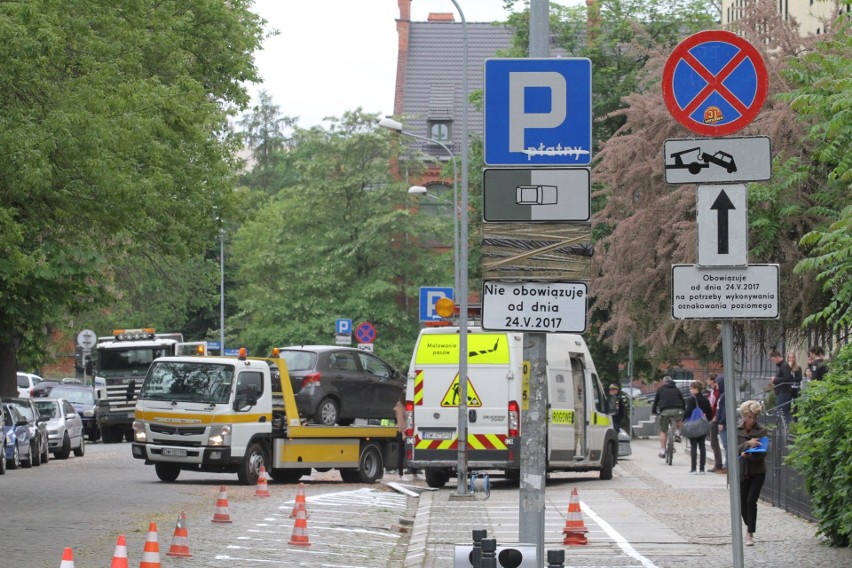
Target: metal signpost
x: 714, y: 84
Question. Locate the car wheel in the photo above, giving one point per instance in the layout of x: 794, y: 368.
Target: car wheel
x: 328, y: 412
x: 35, y: 456
x: 3, y: 461
x: 66, y: 448
x: 81, y: 451
x: 167, y: 472
x: 45, y: 452
x: 436, y: 478
x: 249, y: 469
x: 15, y: 462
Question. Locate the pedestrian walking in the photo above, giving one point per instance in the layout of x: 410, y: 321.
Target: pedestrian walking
x: 752, y: 464
x: 713, y: 399
x: 721, y: 421
x: 696, y: 443
x: 619, y: 407
x: 782, y: 382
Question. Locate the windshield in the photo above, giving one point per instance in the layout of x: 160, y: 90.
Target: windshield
x: 75, y: 396
x: 47, y: 408
x: 118, y: 362
x: 188, y: 381
x: 26, y: 410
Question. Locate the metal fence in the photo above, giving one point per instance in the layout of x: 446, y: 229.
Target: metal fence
x: 784, y: 486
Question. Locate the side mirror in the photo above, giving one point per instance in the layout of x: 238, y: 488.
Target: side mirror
x: 21, y: 422
x: 245, y: 399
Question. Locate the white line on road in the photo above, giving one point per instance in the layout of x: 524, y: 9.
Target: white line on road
x: 616, y: 536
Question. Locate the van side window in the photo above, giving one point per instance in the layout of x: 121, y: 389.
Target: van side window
x: 600, y: 399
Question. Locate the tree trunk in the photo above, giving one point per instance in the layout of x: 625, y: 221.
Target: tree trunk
x: 8, y: 368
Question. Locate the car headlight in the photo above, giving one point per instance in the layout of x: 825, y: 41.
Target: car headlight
x: 89, y: 413
x: 139, y: 434
x: 220, y: 435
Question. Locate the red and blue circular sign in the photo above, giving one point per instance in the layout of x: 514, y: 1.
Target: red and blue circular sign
x: 365, y: 332
x: 715, y: 83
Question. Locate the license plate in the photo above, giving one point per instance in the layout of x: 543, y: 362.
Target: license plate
x: 175, y: 452
x: 438, y: 435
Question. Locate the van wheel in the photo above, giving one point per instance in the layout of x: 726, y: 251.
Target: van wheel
x: 249, y: 469
x: 167, y: 472
x: 370, y: 466
x: 608, y: 461
x: 436, y: 478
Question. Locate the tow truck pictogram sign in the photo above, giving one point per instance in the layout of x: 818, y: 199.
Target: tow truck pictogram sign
x: 451, y: 398
x: 714, y: 83
x: 718, y: 160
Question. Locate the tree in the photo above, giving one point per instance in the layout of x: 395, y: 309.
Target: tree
x: 115, y: 142
x: 653, y: 225
x: 337, y: 242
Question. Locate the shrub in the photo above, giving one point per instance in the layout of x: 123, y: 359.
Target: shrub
x: 823, y: 448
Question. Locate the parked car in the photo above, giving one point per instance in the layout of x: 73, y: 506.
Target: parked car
x: 64, y: 427
x: 336, y: 385
x: 40, y: 450
x: 82, y: 398
x: 26, y: 383
x: 42, y: 390
x: 632, y: 392
x: 15, y: 427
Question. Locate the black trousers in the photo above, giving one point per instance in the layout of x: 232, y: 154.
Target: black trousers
x: 749, y: 494
x: 693, y: 442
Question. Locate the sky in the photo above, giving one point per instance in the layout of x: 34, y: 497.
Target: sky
x: 332, y: 56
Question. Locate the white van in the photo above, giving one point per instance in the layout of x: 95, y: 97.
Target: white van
x: 579, y: 432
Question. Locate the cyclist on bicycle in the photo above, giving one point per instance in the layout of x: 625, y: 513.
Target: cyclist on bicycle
x: 669, y: 405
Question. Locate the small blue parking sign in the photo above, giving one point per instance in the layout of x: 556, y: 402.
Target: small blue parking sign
x: 538, y: 112
x: 343, y: 326
x: 429, y: 296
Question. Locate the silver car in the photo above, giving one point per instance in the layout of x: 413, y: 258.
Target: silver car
x: 64, y: 427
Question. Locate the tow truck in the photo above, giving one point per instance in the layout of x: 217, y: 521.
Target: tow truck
x: 236, y: 414
x: 702, y: 160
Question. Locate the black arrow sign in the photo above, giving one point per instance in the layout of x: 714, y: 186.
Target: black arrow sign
x: 722, y: 205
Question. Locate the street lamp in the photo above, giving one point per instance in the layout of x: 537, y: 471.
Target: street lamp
x: 420, y: 190
x: 392, y: 124
x: 461, y: 489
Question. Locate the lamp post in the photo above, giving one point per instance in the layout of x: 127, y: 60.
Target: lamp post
x: 461, y: 489
x: 420, y: 190
x: 392, y: 124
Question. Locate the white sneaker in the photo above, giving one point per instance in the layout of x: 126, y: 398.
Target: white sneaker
x: 662, y: 453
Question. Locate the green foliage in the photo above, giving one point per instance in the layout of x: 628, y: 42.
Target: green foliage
x: 114, y: 141
x: 337, y: 242
x: 823, y: 446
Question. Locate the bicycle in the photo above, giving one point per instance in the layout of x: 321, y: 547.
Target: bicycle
x: 670, y: 443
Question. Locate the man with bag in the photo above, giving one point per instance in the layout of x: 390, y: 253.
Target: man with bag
x: 697, y: 424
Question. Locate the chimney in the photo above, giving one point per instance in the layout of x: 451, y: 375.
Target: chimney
x: 441, y: 17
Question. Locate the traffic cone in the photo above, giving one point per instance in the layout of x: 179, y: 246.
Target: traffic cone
x: 222, y: 515
x: 300, y: 502
x: 300, y: 530
x: 575, y: 529
x: 67, y: 558
x: 262, y: 487
x: 119, y: 557
x: 180, y: 540
x: 151, y: 552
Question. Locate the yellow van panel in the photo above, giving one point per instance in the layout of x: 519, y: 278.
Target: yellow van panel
x: 317, y: 453
x: 443, y: 349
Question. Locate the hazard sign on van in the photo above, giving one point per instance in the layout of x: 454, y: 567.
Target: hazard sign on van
x: 451, y: 398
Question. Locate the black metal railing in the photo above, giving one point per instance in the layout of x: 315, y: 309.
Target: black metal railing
x: 784, y: 486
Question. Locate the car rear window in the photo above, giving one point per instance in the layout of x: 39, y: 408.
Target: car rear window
x: 23, y: 382
x: 47, y: 407
x: 299, y: 360
x: 80, y: 396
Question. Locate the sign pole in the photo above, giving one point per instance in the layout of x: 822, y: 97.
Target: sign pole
x: 534, y: 419
x: 731, y: 435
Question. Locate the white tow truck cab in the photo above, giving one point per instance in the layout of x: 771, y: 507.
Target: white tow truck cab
x: 234, y: 414
x: 579, y: 432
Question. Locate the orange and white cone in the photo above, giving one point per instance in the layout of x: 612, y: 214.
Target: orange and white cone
x: 262, y: 487
x: 119, y: 557
x: 222, y: 515
x: 67, y: 558
x: 575, y: 529
x: 180, y: 540
x: 151, y: 552
x: 300, y: 502
x: 300, y: 530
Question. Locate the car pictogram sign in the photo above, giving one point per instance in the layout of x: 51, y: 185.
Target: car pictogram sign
x: 714, y: 83
x: 451, y: 398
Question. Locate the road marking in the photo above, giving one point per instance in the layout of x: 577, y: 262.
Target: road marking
x: 622, y: 542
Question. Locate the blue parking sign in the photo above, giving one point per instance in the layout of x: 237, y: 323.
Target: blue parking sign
x: 429, y: 296
x: 538, y: 112
x: 343, y: 326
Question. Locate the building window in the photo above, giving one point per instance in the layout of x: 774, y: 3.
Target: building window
x: 439, y: 130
